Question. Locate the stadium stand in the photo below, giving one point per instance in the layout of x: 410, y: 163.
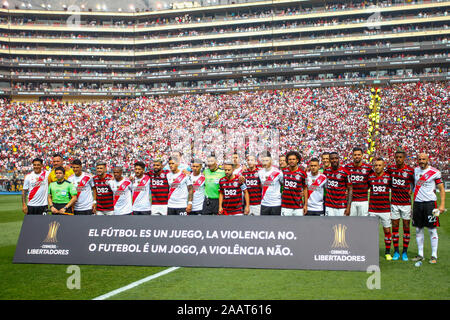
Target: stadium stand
x: 303, y: 67
x: 220, y: 48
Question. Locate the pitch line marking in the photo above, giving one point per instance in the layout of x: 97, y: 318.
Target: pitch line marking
x: 135, y: 284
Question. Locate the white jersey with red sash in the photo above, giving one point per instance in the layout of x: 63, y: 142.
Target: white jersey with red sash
x: 178, y: 189
x: 238, y: 171
x: 316, y: 186
x: 198, y: 184
x: 37, y: 186
x: 425, y: 184
x: 84, y: 184
x: 141, y: 194
x: 271, y: 181
x: 122, y: 196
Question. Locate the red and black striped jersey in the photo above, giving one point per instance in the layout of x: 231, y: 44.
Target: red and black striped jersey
x: 293, y: 186
x: 402, y: 179
x: 253, y: 186
x: 336, y: 188
x: 105, y: 195
x: 358, y: 178
x: 379, y: 192
x: 232, y: 195
x: 159, y: 187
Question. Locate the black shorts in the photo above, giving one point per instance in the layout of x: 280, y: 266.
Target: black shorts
x: 141, y: 213
x: 210, y: 206
x: 82, y: 212
x: 176, y: 212
x: 423, y: 215
x: 315, y: 213
x: 59, y: 206
x: 37, y: 210
x: 196, y: 213
x: 270, y: 211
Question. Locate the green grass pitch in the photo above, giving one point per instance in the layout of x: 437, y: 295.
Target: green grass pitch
x: 399, y: 280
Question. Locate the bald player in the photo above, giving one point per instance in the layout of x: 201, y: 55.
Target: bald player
x: 57, y: 162
x: 426, y: 180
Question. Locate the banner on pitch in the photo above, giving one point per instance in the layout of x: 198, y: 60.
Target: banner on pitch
x: 321, y: 243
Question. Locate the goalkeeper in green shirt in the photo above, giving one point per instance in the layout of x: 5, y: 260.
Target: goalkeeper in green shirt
x: 62, y: 194
x: 212, y: 176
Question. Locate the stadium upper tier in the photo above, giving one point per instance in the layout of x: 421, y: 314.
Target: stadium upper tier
x: 273, y: 44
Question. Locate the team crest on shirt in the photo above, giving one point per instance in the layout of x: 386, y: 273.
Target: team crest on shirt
x: 297, y: 177
x: 385, y: 181
x: 363, y: 171
x: 338, y: 176
x: 405, y: 174
x: 162, y: 175
x: 235, y: 184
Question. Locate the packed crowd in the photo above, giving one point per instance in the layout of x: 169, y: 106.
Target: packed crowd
x: 311, y: 120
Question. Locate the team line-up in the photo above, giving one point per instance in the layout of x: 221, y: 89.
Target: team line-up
x: 258, y: 188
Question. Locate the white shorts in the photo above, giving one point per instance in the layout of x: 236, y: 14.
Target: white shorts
x: 334, y: 212
x: 160, y: 210
x: 255, y: 210
x: 288, y: 212
x: 398, y: 212
x: 105, y: 213
x: 384, y: 217
x: 359, y: 208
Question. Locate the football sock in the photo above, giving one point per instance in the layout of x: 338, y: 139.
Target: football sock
x: 419, y: 239
x: 406, y: 237
x: 387, y: 241
x: 434, y: 241
x: 395, y: 238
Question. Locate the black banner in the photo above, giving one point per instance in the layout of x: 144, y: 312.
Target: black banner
x: 323, y: 243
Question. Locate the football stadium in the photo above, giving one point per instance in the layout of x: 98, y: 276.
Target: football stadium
x: 322, y: 126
